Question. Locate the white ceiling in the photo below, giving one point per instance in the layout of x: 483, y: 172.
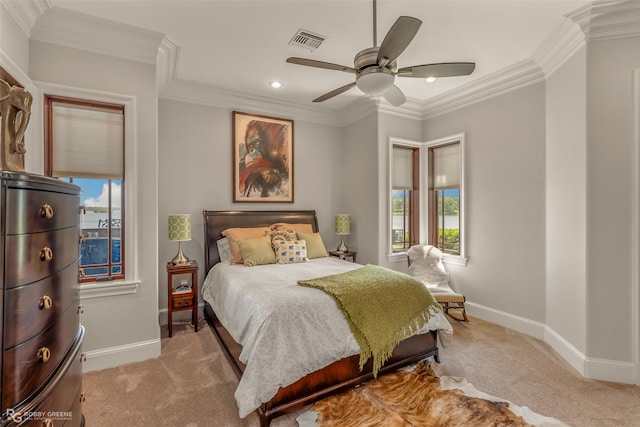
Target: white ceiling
x: 241, y: 45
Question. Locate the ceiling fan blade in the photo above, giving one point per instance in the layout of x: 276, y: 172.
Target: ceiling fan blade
x: 397, y: 39
x: 445, y: 69
x: 394, y: 96
x: 320, y: 64
x: 335, y: 92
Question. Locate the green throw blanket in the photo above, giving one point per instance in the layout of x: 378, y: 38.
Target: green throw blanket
x: 382, y: 307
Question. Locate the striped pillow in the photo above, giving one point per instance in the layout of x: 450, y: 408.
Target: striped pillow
x: 291, y: 252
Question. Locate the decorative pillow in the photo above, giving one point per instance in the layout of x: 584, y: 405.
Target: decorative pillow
x: 223, y: 249
x: 235, y: 234
x: 305, y: 228
x: 257, y: 251
x: 291, y: 252
x: 315, y: 245
x: 282, y: 235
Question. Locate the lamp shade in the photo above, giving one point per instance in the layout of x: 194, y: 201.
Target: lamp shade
x: 343, y: 224
x: 180, y: 227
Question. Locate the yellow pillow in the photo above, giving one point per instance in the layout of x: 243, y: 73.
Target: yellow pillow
x: 235, y: 234
x: 291, y: 252
x: 305, y: 228
x: 257, y: 251
x: 315, y: 245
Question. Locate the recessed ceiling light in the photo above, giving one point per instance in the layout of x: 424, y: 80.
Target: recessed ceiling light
x: 275, y: 84
x: 430, y: 79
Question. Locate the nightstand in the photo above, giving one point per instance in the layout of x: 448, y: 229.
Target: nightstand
x: 344, y: 255
x: 182, y: 300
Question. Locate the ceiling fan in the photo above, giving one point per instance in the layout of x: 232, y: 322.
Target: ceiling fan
x: 376, y: 69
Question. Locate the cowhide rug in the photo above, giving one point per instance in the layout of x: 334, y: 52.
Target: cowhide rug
x: 418, y: 398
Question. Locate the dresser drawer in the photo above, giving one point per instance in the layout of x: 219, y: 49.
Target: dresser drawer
x: 59, y: 402
x: 31, y: 308
x: 28, y: 365
x: 31, y: 211
x: 39, y: 255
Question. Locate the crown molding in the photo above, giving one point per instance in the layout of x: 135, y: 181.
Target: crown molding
x: 167, y: 62
x: 517, y: 76
x: 25, y: 12
x: 79, y: 31
x: 608, y: 19
x: 220, y: 98
x: 602, y: 19
x: 559, y: 46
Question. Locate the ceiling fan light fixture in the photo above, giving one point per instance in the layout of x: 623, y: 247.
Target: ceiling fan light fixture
x: 375, y: 81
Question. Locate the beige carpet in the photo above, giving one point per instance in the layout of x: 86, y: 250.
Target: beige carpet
x: 192, y: 384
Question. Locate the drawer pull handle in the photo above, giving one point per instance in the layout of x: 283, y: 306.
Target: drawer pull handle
x: 83, y: 357
x: 81, y: 272
x: 47, y: 423
x: 46, y: 211
x: 80, y: 309
x: 44, y: 354
x: 45, y: 302
x: 46, y: 254
x: 83, y: 238
x: 82, y: 397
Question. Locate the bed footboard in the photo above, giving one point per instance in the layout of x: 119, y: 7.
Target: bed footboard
x: 332, y: 379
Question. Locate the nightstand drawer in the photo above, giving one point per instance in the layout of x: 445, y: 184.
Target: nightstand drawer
x: 30, y: 211
x: 31, y: 308
x: 39, y: 255
x: 183, y: 302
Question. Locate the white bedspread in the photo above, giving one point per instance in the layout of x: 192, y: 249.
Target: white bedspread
x: 286, y: 330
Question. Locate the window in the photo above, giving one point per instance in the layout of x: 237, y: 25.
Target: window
x: 84, y: 144
x: 404, y: 197
x: 444, y: 197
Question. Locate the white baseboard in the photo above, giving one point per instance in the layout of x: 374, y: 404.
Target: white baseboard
x: 592, y: 368
x: 115, y: 356
x: 511, y: 321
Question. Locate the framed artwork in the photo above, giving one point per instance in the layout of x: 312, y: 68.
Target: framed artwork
x: 262, y: 159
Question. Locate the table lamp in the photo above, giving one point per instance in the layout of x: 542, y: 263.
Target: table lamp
x: 180, y: 230
x: 343, y: 228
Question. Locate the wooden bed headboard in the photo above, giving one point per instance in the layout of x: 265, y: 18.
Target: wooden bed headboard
x: 217, y: 221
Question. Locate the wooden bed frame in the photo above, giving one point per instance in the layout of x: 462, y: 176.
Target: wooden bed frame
x: 334, y: 378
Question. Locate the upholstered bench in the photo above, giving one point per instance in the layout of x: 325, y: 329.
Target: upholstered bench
x: 425, y: 264
x: 449, y: 299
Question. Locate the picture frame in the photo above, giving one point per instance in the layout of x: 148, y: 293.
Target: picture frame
x: 262, y: 159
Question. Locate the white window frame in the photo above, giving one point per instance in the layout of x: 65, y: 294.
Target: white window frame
x: 424, y: 193
x: 130, y: 283
x: 424, y: 225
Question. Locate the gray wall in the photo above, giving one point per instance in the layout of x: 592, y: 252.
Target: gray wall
x: 505, y: 200
x: 566, y: 201
x: 117, y: 321
x: 195, y: 164
x: 611, y: 171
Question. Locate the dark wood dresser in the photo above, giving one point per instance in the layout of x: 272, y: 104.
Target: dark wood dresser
x: 41, y: 381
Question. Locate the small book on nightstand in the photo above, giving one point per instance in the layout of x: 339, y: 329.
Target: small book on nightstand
x: 182, y: 289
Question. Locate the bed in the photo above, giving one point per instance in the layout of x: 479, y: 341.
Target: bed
x: 329, y: 379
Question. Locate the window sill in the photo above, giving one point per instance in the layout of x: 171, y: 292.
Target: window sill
x: 454, y: 259
x: 100, y: 290
x: 446, y: 258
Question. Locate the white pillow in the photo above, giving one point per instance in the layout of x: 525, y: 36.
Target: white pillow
x: 224, y: 250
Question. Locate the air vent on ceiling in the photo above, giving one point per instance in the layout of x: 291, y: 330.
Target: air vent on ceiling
x: 307, y: 40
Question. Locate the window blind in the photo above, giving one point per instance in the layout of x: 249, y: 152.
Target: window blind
x: 446, y: 167
x: 88, y: 141
x: 402, y: 178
